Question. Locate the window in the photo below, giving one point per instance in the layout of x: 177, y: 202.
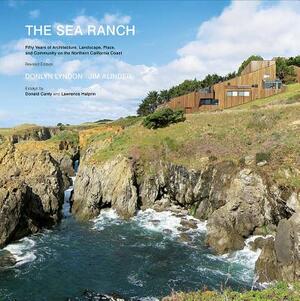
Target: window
x: 209, y: 101
x: 272, y: 84
x: 232, y: 93
x: 244, y: 93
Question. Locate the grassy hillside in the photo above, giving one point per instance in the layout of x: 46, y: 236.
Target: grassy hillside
x: 266, y: 129
x: 270, y: 132
x: 281, y: 292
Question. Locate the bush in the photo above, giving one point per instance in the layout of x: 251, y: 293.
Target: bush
x: 163, y: 118
x: 261, y: 157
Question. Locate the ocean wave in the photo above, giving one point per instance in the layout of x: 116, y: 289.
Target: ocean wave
x: 23, y: 251
x: 165, y: 221
x: 106, y: 218
x: 133, y: 279
x: 206, y: 270
x: 168, y: 222
x: 246, y: 257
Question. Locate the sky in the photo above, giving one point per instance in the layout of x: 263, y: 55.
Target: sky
x: 174, y: 41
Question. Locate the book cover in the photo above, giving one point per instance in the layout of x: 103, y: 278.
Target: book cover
x: 149, y: 150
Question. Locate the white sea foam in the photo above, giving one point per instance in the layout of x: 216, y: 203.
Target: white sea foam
x: 246, y: 256
x: 166, y: 222
x: 66, y: 205
x: 133, y: 279
x: 23, y: 251
x: 107, y: 217
x: 73, y: 180
x: 206, y: 270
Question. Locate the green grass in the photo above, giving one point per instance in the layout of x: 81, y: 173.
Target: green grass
x: 66, y: 135
x: 19, y: 130
x: 292, y: 94
x: 127, y: 121
x: 223, y: 135
x: 279, y: 292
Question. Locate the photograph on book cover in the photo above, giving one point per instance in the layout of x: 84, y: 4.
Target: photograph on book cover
x: 149, y: 150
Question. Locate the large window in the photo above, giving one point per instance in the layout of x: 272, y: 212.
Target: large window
x: 244, y: 93
x: 209, y: 101
x: 238, y: 93
x: 272, y: 84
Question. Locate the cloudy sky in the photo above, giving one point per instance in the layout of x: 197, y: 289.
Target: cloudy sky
x: 174, y: 41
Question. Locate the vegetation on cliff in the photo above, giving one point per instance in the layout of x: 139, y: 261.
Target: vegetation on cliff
x: 162, y: 118
x: 279, y: 292
x: 267, y: 129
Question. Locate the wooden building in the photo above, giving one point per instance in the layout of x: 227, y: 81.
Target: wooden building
x: 257, y: 80
x: 297, y: 72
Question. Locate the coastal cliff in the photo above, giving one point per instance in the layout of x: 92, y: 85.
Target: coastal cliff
x: 33, y: 177
x: 236, y: 201
x: 237, y: 170
x: 242, y: 180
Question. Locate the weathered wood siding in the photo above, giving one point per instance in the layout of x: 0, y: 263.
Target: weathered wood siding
x: 189, y: 102
x: 256, y: 65
x: 245, y: 88
x: 297, y: 71
x: 252, y: 82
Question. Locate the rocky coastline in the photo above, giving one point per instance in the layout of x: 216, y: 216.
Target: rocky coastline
x: 32, y: 183
x: 238, y: 200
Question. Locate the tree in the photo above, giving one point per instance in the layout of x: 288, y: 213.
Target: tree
x: 164, y: 96
x: 149, y: 104
x: 162, y: 118
x: 294, y: 61
x: 247, y: 61
x: 284, y: 71
x: 210, y: 80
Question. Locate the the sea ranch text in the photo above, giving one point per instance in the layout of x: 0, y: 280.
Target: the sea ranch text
x: 77, y: 30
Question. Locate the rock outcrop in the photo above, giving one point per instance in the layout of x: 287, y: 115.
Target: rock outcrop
x: 109, y: 185
x: 36, y: 133
x: 31, y: 192
x: 236, y: 201
x: 280, y: 257
x: 247, y: 209
x: 200, y: 191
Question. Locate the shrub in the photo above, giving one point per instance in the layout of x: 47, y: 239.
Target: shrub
x: 163, y: 118
x: 260, y: 157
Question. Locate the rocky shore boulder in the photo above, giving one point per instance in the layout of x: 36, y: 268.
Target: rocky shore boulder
x: 280, y: 257
x: 244, y: 212
x: 101, y: 186
x: 31, y: 192
x: 200, y: 191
